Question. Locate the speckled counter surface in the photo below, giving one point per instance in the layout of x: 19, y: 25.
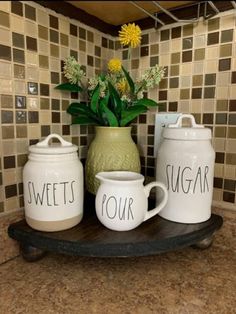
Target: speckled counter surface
x: 186, y: 281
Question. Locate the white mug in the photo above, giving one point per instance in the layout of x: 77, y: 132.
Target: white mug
x: 122, y: 200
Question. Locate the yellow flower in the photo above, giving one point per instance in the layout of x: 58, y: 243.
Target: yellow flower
x: 114, y: 65
x: 122, y: 86
x: 130, y: 35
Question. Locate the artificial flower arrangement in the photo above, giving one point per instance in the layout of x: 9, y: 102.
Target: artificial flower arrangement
x: 114, y: 98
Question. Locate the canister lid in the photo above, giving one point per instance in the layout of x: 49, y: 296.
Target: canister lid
x: 45, y: 148
x: 196, y: 132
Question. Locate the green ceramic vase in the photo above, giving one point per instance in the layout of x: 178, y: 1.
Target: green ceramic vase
x: 112, y: 149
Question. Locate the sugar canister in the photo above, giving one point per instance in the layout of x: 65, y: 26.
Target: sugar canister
x: 53, y: 185
x: 185, y: 164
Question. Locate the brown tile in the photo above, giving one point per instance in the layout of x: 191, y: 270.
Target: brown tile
x: 43, y: 62
x: 213, y: 38
x: 231, y: 159
x: 185, y: 93
x: 173, y: 106
x: 21, y: 117
x: 232, y: 105
x: 224, y: 64
x: 222, y: 105
x: 163, y: 95
x: 7, y: 116
x: 197, y: 117
x: 17, y: 7
x: 73, y: 30
x: 188, y: 30
x: 44, y: 90
x: 145, y: 39
x: 5, y: 52
x: 18, y: 40
x: 210, y: 79
x: 187, y: 56
x: 213, y: 24
x: 97, y: 51
x: 30, y: 12
x: 163, y: 84
x: 117, y: 45
x: 220, y: 131
x: 135, y: 63
x: 104, y: 41
x: 54, y: 36
x: 199, y: 54
x: 44, y: 104
x: 196, y: 93
x: 90, y: 36
x: 19, y: 71
x: 4, y: 19
x: 154, y: 61
x: 154, y: 49
x: 43, y: 32
x: 165, y: 34
x: 174, y: 70
x: 54, y: 50
x: 228, y: 197
x: 176, y: 32
x: 33, y: 116
x: 231, y: 132
x: 208, y: 118
x: 225, y: 50
x: 227, y: 35
x: 8, y: 132
x: 125, y: 54
x: 197, y: 80
x: 229, y: 185
x: 21, y: 131
x: 6, y: 101
x: 53, y: 21
x: 221, y: 118
x: 64, y: 39
x: 220, y: 158
x: 31, y: 43
x: 20, y: 102
x: 232, y: 119
x: 56, y: 117
x: 74, y: 54
x: 21, y: 160
x: 55, y: 78
x: 10, y: 190
x: 55, y: 104
x: 82, y: 45
x: 111, y: 44
x: 209, y: 92
x: 187, y: 43
x: 82, y: 34
x: 9, y: 162
x: 18, y: 55
x: 218, y: 183
x: 98, y: 63
x: 144, y: 51
x: 66, y: 130
x: 174, y: 82
x: 175, y: 57
x: 233, y: 78
x: 90, y: 61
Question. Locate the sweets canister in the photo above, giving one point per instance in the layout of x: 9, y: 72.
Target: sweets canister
x: 53, y: 185
x: 185, y: 164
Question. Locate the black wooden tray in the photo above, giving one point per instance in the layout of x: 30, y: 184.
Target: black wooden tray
x: 91, y: 238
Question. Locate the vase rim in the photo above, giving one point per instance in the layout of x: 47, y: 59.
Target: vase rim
x: 112, y: 127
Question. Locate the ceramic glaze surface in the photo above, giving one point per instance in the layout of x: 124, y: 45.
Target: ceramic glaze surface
x: 122, y: 200
x: 53, y: 186
x: 112, y: 149
x: 185, y: 164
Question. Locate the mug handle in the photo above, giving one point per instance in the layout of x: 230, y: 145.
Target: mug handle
x: 156, y: 210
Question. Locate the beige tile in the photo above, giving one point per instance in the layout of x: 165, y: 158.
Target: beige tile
x: 231, y: 146
x: 211, y: 66
x: 185, y: 81
x: 31, y: 29
x: 229, y: 172
x: 32, y: 103
x: 223, y: 78
x: 227, y: 22
x: 6, y: 86
x: 34, y: 131
x: 17, y: 24
x: 219, y: 170
x: 64, y: 52
x: 173, y: 94
x: 154, y: 37
x: 22, y: 146
x: 31, y: 58
x: 222, y: 92
x: 5, y: 36
x: 176, y: 45
x: 9, y: 147
x: 199, y: 41
x: 219, y: 144
x: 200, y: 28
x: 9, y: 177
x: 198, y: 67
x: 44, y: 76
x: 208, y: 105
x: 43, y: 47
x: 19, y: 87
x: 232, y: 92
x: 54, y: 50
x: 55, y: 65
x: 5, y: 69
x: 212, y: 52
x: 144, y: 62
x: 11, y: 204
x: 196, y: 106
x: 90, y: 48
x: 184, y: 107
x: 5, y: 6
x: 97, y: 39
x: 73, y: 43
x: 186, y: 69
x: 57, y: 129
x: 134, y: 53
x: 217, y: 194
x: 164, y: 47
x: 64, y: 26
x: 32, y: 73
x: 43, y: 18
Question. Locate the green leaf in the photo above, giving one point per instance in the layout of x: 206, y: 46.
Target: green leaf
x: 131, y: 113
x: 69, y: 87
x: 83, y: 120
x: 129, y: 80
x: 146, y: 102
x: 95, y: 98
x: 107, y: 113
x: 76, y: 109
x: 115, y: 99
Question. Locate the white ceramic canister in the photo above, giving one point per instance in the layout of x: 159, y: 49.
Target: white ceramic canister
x: 53, y: 185
x: 185, y: 164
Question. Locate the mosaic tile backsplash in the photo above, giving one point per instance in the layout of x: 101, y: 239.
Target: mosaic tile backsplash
x: 200, y: 63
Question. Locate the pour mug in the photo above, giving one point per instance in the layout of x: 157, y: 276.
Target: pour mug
x: 122, y: 200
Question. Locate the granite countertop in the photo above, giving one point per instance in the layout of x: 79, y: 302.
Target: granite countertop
x: 185, y: 281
